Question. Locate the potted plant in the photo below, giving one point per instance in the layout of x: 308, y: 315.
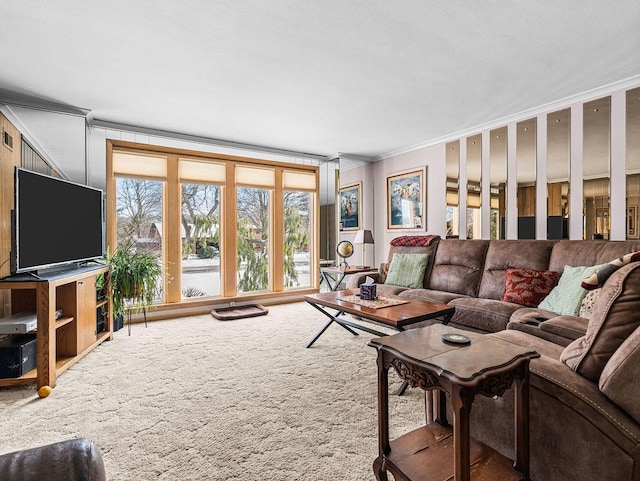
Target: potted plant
x: 135, y: 278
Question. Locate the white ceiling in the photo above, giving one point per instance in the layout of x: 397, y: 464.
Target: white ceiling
x: 366, y: 77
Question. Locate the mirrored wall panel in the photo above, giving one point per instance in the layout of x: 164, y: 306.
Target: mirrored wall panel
x: 526, y: 178
x: 474, y: 189
x: 498, y: 183
x: 596, y: 168
x: 558, y: 162
x: 453, y: 200
x: 328, y: 221
x: 633, y: 163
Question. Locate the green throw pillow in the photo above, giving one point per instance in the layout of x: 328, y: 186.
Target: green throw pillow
x: 407, y: 270
x: 566, y: 297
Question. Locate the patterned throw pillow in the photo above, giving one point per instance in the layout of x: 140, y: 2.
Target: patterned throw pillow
x: 528, y: 286
x: 407, y: 270
x: 566, y: 297
x: 598, y: 278
x: 588, y: 302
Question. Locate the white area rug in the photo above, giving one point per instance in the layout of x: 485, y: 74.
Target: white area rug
x: 197, y: 398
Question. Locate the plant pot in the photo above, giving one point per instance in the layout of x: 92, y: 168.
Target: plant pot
x: 118, y: 323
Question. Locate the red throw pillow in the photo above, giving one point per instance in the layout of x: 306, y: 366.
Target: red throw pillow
x: 528, y: 286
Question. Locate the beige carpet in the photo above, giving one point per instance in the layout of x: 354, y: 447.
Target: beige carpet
x: 197, y: 398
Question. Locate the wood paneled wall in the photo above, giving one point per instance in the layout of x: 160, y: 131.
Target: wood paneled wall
x: 9, y: 158
x: 527, y: 201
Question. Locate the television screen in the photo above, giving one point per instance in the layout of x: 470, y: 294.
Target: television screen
x: 56, y: 222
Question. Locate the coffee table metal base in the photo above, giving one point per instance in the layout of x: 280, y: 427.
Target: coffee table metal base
x: 347, y: 324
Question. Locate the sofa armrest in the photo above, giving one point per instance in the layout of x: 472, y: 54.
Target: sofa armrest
x: 561, y: 330
x: 71, y: 460
x: 569, y: 327
x: 354, y: 281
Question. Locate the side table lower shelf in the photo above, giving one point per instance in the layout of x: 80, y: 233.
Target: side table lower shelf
x: 427, y: 454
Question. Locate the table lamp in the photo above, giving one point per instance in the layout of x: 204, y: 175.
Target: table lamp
x: 363, y: 237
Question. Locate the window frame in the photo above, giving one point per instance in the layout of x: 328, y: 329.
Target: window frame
x: 228, y: 220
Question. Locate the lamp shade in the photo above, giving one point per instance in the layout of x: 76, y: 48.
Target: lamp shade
x: 363, y: 237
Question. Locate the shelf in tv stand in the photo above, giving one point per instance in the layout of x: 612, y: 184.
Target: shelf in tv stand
x: 64, y: 341
x: 62, y: 364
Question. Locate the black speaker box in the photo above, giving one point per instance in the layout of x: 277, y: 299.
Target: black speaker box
x: 17, y: 355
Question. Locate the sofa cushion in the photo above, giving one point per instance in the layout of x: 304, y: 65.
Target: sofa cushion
x: 389, y: 290
x: 457, y: 266
x: 619, y: 380
x: 486, y: 315
x: 430, y: 295
x: 588, y: 253
x: 615, y: 316
x: 504, y: 254
x: 566, y: 297
x: 528, y: 287
x: 407, y: 270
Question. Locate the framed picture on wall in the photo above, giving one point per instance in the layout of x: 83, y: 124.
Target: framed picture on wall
x: 405, y: 200
x: 632, y: 222
x: 350, y: 198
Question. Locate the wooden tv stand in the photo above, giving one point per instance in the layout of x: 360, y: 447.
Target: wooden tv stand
x: 60, y: 343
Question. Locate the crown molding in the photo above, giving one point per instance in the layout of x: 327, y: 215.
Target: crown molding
x: 198, y: 139
x: 588, y: 95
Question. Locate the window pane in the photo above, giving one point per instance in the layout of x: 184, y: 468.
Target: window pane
x: 297, y: 235
x: 139, y: 217
x: 253, y: 239
x: 200, y: 234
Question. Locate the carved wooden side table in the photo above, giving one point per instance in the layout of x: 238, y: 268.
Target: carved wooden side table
x: 487, y: 366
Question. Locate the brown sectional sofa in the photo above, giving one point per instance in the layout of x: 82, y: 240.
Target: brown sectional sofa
x: 585, y: 419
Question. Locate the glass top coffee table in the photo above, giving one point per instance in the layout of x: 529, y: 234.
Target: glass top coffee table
x: 388, y: 311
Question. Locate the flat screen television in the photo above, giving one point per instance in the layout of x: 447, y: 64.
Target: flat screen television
x: 56, y: 222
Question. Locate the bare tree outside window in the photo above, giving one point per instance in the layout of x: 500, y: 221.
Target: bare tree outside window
x: 297, y: 232
x: 139, y: 214
x: 200, y: 226
x: 253, y: 239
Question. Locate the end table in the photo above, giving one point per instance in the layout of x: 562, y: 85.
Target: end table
x: 334, y: 276
x: 487, y: 366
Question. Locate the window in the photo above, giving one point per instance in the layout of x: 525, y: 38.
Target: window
x: 225, y: 226
x: 139, y: 214
x: 200, y: 236
x: 253, y: 239
x: 297, y: 234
